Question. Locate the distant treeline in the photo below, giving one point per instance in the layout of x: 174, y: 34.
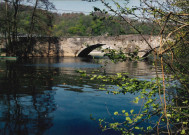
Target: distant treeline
x: 78, y: 24
x: 23, y: 20
x: 69, y: 24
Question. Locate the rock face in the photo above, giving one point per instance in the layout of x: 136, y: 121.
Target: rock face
x: 72, y: 46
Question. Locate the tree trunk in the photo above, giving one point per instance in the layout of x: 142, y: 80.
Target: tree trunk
x: 14, y: 32
x: 7, y: 29
x: 31, y: 29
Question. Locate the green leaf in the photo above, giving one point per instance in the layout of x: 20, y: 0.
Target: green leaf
x: 131, y: 111
x: 126, y: 114
x: 137, y: 128
x: 185, y: 123
x: 136, y: 100
x: 149, y: 128
x: 115, y: 113
x: 138, y: 117
x: 128, y: 118
x: 185, y: 102
x: 183, y: 132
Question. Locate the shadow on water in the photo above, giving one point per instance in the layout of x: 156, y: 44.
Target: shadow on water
x: 27, y: 101
x: 25, y: 107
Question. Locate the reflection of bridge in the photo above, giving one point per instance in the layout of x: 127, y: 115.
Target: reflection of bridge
x: 82, y: 46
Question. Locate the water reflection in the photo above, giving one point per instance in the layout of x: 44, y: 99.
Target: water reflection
x: 26, y: 100
x: 68, y: 65
x: 24, y: 115
x: 47, y: 96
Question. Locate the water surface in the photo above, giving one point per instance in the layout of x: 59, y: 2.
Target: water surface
x: 46, y: 96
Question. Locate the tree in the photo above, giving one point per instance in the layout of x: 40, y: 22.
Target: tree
x: 21, y: 20
x: 172, y: 19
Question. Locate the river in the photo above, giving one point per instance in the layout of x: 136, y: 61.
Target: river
x: 46, y: 95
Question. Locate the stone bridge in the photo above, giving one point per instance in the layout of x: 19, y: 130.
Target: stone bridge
x: 82, y: 46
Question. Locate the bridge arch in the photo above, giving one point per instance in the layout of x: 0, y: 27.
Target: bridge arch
x: 147, y: 52
x: 85, y: 52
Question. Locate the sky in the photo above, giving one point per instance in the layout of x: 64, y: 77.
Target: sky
x: 78, y: 6
x: 69, y: 6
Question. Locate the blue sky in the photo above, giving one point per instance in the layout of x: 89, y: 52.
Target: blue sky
x: 83, y: 6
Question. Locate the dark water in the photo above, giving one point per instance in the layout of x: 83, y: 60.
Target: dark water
x: 47, y: 96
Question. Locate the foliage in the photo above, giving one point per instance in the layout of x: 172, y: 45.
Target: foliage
x: 164, y: 99
x: 18, y: 20
x: 96, y: 24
